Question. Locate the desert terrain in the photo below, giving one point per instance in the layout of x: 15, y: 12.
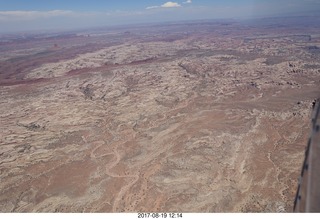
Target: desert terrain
x: 209, y: 116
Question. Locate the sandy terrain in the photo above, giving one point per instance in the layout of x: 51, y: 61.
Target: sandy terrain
x: 213, y: 120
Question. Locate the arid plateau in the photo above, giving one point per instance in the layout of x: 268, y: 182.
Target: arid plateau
x: 209, y: 116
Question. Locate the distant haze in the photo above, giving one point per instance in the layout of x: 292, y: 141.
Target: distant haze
x: 21, y: 15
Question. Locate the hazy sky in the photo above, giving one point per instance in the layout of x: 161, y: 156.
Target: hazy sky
x: 23, y: 15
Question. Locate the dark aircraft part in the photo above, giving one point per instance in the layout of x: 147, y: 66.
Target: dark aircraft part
x: 308, y: 194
